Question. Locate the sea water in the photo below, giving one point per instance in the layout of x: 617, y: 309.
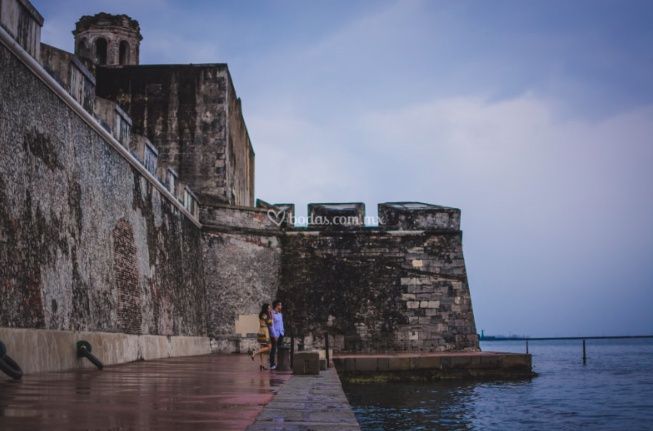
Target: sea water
x: 612, y: 391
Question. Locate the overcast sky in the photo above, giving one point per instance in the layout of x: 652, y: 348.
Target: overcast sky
x: 535, y: 118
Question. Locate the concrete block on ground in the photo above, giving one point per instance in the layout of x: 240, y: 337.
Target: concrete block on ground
x: 432, y: 366
x: 306, y: 363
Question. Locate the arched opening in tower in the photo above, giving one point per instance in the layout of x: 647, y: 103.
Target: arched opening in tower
x: 101, y: 50
x: 124, y: 52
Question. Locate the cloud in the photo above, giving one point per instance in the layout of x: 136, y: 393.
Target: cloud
x: 166, y: 47
x: 301, y: 160
x: 519, y: 149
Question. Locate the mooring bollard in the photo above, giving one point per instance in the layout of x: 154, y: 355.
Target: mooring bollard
x: 584, y: 353
x: 306, y: 363
x: 84, y: 351
x: 283, y: 358
x: 8, y: 365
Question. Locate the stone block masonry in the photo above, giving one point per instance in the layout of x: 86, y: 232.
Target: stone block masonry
x: 377, y: 289
x: 373, y: 289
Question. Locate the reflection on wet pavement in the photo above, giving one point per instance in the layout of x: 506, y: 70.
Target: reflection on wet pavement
x: 224, y: 392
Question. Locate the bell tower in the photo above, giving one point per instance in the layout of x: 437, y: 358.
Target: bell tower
x: 107, y: 39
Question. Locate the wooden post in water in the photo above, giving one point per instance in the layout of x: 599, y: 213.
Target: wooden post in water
x: 326, y: 347
x: 527, y: 347
x: 584, y: 353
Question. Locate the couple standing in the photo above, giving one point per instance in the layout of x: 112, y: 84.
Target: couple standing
x: 270, y: 333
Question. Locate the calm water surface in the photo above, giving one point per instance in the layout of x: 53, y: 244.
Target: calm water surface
x: 614, y: 391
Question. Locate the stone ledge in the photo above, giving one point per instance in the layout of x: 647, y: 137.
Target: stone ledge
x: 433, y: 366
x: 40, y: 350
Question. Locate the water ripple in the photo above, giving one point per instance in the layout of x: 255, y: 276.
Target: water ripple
x: 612, y: 392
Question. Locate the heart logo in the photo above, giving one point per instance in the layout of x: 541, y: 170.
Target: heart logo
x: 277, y: 217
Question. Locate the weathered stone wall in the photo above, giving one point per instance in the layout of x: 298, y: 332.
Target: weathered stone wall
x: 23, y: 22
x: 240, y: 154
x: 71, y: 74
x: 238, y: 218
x: 192, y: 115
x: 86, y: 242
x: 242, y: 258
x: 377, y: 289
x: 90, y: 242
x: 242, y: 272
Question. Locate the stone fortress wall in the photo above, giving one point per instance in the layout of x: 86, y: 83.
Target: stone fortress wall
x: 127, y: 208
x: 89, y: 240
x: 401, y: 286
x: 192, y: 115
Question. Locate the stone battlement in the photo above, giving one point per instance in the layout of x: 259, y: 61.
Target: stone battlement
x: 407, y: 216
x: 418, y: 215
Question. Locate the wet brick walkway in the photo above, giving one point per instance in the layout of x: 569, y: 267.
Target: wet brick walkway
x: 216, y: 392
x: 308, y: 403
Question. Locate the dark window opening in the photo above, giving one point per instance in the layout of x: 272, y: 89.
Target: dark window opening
x: 124, y: 52
x: 101, y: 51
